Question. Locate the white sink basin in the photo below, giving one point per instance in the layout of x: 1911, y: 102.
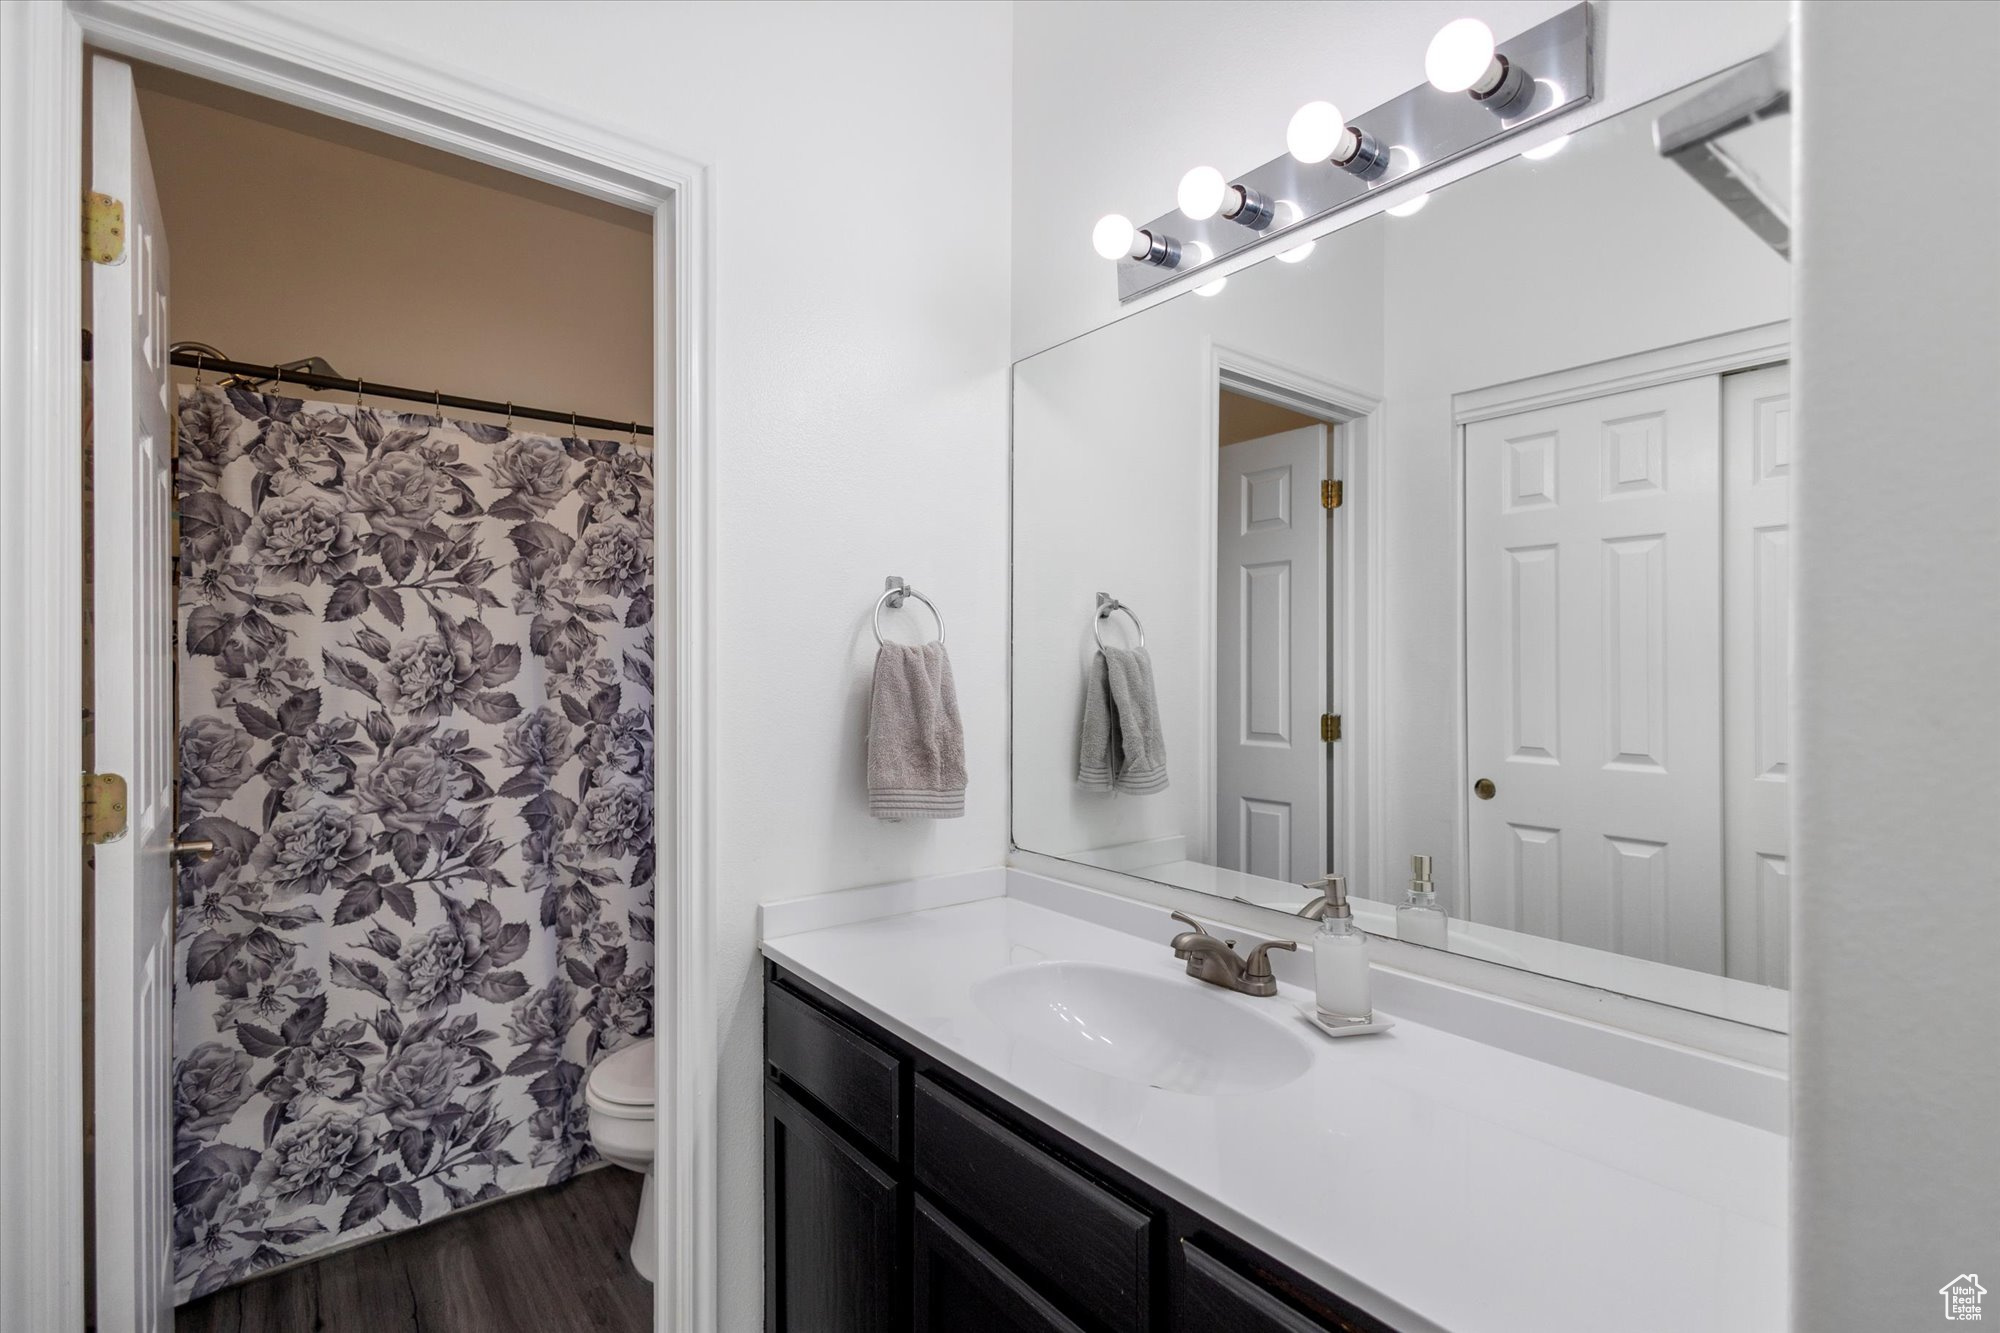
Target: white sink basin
x: 1173, y: 1033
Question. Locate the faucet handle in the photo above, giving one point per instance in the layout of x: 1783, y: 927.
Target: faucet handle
x: 1190, y: 923
x: 1258, y: 964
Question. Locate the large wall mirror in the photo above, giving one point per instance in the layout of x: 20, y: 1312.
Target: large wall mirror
x: 1460, y: 533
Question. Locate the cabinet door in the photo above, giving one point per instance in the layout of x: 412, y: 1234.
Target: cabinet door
x: 832, y: 1236
x: 960, y: 1288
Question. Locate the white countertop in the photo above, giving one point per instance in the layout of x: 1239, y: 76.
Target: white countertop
x: 1436, y: 1182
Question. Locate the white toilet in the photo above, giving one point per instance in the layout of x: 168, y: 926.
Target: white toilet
x: 619, y: 1094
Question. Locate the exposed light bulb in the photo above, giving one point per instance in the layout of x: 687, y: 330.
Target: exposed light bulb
x: 1459, y: 55
x: 1315, y: 131
x: 1202, y: 192
x: 1543, y: 152
x: 1113, y: 236
x: 1289, y: 213
x: 1409, y: 207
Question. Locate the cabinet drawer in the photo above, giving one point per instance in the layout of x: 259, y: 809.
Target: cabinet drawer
x: 853, y: 1078
x: 960, y: 1288
x: 1215, y: 1295
x: 1065, y: 1233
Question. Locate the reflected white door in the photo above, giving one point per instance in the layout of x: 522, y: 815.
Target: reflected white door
x: 132, y: 485
x: 1757, y: 672
x: 1593, y: 697
x: 1271, y: 588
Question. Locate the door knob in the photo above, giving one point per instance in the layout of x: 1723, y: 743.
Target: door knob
x: 1484, y: 789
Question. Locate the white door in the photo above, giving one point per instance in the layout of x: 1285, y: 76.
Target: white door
x: 1757, y: 672
x: 1593, y: 677
x: 1270, y: 633
x: 132, y: 486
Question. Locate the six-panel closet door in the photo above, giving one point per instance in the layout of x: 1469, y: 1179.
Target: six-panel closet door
x: 1593, y: 648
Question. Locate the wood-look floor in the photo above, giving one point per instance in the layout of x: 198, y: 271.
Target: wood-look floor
x: 550, y: 1261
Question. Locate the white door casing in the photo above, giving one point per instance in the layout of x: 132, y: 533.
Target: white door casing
x: 1271, y: 614
x: 1757, y: 673
x: 134, y: 717
x: 1592, y: 552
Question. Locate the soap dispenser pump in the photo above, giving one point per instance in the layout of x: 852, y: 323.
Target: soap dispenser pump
x: 1340, y: 961
x: 1419, y: 919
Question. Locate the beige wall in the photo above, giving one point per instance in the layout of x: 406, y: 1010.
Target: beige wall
x: 1241, y: 418
x: 295, y: 235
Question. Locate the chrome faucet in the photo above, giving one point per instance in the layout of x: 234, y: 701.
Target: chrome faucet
x: 1217, y: 962
x: 1325, y: 899
x: 1317, y: 909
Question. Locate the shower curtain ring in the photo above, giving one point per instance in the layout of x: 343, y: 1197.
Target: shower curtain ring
x: 197, y: 369
x: 437, y: 405
x: 360, y: 385
x: 574, y: 432
x: 510, y: 414
x: 632, y: 435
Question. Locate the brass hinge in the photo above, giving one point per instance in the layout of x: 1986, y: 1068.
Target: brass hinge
x: 1330, y: 494
x: 103, y: 807
x: 103, y: 229
x: 1329, y: 727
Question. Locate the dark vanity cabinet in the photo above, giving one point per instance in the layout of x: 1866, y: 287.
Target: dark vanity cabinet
x: 900, y: 1198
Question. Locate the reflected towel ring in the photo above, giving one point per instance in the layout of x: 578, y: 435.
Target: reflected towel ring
x: 893, y: 597
x: 1106, y: 604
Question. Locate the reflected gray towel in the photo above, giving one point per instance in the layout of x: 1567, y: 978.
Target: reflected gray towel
x: 1121, y: 748
x: 916, y: 744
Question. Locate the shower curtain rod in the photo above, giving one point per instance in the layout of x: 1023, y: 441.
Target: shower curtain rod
x: 201, y: 362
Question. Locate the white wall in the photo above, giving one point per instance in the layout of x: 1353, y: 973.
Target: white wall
x: 1113, y: 102
x: 1896, y: 918
x: 860, y: 409
x: 1115, y: 466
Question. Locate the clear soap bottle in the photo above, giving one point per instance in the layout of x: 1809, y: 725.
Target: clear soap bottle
x: 1340, y: 961
x: 1419, y: 919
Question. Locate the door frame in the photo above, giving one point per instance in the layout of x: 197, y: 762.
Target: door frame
x: 1355, y: 549
x: 269, y: 53
x: 1720, y: 354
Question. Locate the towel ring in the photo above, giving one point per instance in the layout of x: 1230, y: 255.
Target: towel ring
x: 1106, y: 604
x: 893, y: 596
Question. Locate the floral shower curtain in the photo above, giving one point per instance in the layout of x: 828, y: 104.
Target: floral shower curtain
x: 416, y: 700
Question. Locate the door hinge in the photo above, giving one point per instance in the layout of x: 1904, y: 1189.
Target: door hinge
x: 1329, y: 727
x: 1330, y: 494
x: 103, y: 807
x: 103, y: 229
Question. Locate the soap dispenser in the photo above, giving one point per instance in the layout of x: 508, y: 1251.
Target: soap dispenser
x: 1419, y: 919
x: 1340, y: 961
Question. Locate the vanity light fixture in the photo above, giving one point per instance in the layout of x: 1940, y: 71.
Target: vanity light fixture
x: 1114, y: 237
x: 1289, y: 213
x: 1218, y: 213
x: 1461, y: 59
x: 1206, y: 193
x: 1415, y: 203
x: 1319, y: 133
x: 1543, y: 152
x: 1202, y: 255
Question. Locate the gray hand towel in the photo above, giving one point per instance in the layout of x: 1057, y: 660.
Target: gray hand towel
x: 1099, y: 756
x: 916, y: 744
x: 1121, y: 747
